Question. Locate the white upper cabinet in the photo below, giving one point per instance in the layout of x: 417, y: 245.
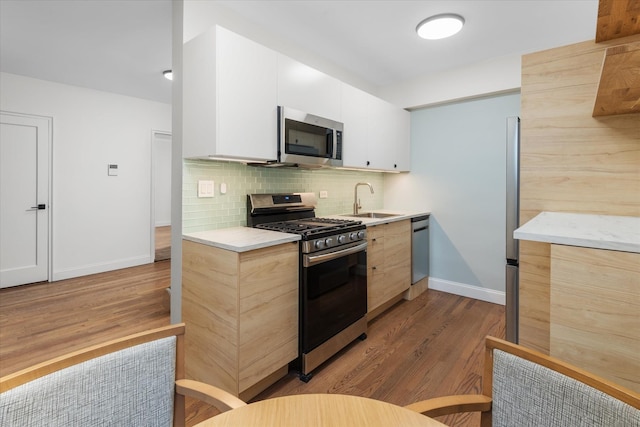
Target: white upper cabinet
x: 306, y: 89
x: 376, y: 133
x: 355, y: 117
x: 229, y: 97
x: 232, y: 87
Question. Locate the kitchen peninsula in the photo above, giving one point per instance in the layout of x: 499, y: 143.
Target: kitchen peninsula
x: 594, y: 296
x: 240, y: 302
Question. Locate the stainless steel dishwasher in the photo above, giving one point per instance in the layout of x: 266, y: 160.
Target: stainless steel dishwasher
x: 419, y: 248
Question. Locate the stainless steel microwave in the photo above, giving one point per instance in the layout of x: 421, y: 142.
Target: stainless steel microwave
x: 308, y: 140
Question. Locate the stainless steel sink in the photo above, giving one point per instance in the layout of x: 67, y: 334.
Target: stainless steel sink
x: 372, y: 215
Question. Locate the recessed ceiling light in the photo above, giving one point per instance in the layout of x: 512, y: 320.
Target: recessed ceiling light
x: 440, y: 26
x: 168, y: 74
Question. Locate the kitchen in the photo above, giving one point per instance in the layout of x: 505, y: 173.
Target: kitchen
x: 389, y: 189
x: 478, y: 207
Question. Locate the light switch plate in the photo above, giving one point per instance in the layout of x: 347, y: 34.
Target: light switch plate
x: 205, y: 188
x: 324, y: 194
x: 112, y: 169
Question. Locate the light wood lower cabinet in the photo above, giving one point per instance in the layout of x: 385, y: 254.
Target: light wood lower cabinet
x: 595, y: 311
x: 388, y: 265
x: 241, y: 315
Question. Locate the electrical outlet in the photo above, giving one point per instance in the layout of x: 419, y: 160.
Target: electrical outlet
x: 324, y: 194
x: 205, y: 188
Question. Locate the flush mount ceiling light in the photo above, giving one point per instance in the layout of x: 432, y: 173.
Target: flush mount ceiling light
x: 440, y: 26
x: 168, y: 74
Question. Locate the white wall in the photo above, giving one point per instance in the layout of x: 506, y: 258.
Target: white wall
x: 458, y: 167
x: 489, y: 77
x: 100, y: 223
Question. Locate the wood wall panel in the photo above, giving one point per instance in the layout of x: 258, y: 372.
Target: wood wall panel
x: 534, y: 290
x: 595, y: 306
x: 210, y: 311
x: 617, y: 18
x: 570, y: 161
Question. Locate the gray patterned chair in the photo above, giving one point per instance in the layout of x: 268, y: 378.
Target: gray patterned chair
x: 522, y: 387
x: 133, y: 381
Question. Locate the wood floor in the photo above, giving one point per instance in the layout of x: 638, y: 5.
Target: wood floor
x: 427, y: 347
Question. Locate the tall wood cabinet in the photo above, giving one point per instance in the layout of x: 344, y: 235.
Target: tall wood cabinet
x: 241, y: 315
x: 388, y: 265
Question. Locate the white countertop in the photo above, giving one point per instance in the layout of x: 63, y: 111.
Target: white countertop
x: 400, y: 215
x: 618, y: 233
x: 241, y: 239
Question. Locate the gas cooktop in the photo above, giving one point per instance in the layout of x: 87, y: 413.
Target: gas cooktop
x: 310, y: 227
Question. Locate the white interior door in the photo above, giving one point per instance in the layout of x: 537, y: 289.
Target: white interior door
x: 24, y: 199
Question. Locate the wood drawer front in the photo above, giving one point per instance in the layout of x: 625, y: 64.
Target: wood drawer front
x: 397, y: 244
x: 375, y: 231
x: 268, y: 312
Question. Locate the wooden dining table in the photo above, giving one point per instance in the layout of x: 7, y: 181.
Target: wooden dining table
x: 320, y: 410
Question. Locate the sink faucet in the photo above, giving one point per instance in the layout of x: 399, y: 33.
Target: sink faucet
x: 356, y: 202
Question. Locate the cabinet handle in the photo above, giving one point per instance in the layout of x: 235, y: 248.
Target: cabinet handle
x: 373, y: 268
x: 373, y: 240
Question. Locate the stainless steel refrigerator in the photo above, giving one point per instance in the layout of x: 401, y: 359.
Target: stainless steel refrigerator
x: 513, y: 220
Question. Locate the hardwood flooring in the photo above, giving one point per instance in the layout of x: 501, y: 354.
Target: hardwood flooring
x: 427, y: 347
x: 43, y: 320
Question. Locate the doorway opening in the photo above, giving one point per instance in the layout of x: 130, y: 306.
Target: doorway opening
x: 161, y: 195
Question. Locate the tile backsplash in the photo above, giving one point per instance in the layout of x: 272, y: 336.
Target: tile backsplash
x: 230, y: 209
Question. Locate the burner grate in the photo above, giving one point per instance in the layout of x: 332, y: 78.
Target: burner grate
x: 309, y: 226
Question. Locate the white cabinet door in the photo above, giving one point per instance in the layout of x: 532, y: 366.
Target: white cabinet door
x: 376, y: 133
x: 229, y: 97
x: 246, y: 90
x: 306, y: 89
x: 403, y: 140
x: 382, y: 147
x: 355, y: 116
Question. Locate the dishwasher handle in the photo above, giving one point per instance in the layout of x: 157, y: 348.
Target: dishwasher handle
x: 426, y: 227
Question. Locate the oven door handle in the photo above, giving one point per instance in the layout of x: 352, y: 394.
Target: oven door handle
x: 311, y: 260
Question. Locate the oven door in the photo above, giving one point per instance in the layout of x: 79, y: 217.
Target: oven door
x: 333, y: 293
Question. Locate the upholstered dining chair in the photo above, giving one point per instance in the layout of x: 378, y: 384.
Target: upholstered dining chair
x: 522, y: 387
x: 137, y: 380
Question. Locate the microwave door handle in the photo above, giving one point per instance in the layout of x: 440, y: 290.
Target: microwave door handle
x: 311, y: 260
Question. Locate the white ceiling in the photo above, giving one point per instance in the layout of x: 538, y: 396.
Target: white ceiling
x: 122, y: 46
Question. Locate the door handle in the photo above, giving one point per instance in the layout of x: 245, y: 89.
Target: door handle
x: 37, y: 208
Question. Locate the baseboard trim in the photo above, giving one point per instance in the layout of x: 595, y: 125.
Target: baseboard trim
x: 100, y: 268
x: 469, y: 291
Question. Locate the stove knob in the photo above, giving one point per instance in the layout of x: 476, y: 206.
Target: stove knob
x: 361, y: 234
x: 319, y: 244
x: 342, y: 238
x: 353, y: 236
x: 328, y: 242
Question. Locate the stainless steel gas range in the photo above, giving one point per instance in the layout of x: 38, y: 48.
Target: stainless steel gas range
x: 333, y: 273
